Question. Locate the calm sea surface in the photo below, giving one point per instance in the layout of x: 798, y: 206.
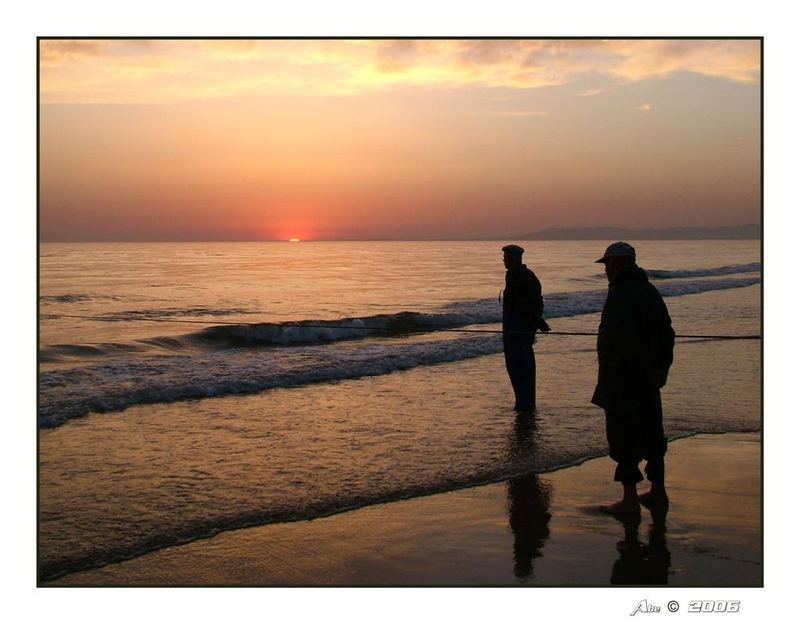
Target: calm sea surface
x: 187, y: 389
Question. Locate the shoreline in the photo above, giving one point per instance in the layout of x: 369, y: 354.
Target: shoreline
x: 536, y: 529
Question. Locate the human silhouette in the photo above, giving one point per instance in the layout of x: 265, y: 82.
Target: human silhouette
x: 528, y: 517
x: 639, y: 563
x: 634, y: 351
x: 528, y: 500
x: 522, y: 317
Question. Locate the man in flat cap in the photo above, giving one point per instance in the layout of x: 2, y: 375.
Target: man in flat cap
x: 522, y: 316
x: 634, y: 352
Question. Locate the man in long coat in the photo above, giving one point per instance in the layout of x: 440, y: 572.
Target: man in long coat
x: 634, y: 350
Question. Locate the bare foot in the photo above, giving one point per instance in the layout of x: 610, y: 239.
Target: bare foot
x: 622, y: 508
x: 656, y: 499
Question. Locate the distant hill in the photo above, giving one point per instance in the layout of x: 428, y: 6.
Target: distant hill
x: 733, y: 232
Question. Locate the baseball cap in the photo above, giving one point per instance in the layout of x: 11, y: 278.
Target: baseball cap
x: 620, y: 248
x: 513, y: 249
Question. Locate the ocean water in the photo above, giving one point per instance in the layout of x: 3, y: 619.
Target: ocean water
x: 187, y: 389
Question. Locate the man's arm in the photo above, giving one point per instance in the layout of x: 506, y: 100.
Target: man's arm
x: 663, y: 340
x: 538, y: 305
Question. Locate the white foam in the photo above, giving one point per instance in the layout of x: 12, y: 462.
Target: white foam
x: 117, y: 384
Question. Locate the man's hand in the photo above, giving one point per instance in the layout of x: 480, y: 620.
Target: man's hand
x: 543, y: 326
x: 658, y: 378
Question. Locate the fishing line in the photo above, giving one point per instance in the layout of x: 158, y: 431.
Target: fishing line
x: 370, y: 328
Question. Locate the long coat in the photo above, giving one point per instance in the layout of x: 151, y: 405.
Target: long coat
x: 634, y: 343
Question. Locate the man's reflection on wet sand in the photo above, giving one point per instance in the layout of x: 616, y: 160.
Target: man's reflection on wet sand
x: 639, y: 563
x: 528, y: 503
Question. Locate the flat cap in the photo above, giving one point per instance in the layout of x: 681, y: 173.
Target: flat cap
x: 618, y: 249
x: 513, y: 249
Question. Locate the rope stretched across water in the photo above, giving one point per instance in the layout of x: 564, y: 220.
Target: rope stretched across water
x: 385, y: 329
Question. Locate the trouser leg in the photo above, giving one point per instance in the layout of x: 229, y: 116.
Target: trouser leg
x: 628, y: 473
x: 521, y: 367
x: 654, y: 469
x: 623, y: 444
x: 635, y: 431
x: 655, y: 446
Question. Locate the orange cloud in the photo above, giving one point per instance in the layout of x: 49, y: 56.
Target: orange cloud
x: 57, y: 52
x: 737, y: 60
x: 591, y: 92
x: 159, y: 71
x: 518, y: 113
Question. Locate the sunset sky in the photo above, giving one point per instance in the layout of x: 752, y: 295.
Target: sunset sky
x: 363, y: 139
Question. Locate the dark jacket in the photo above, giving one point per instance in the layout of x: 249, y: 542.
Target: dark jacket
x: 522, y: 300
x: 635, y: 341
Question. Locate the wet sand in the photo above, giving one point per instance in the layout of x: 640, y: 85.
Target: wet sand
x: 537, y: 530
